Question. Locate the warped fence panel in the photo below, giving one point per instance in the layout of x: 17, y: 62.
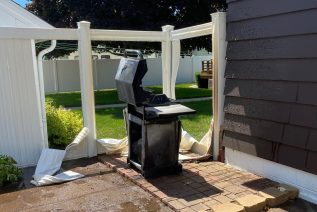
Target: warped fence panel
x: 63, y: 75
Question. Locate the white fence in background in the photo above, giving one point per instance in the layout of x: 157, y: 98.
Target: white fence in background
x: 63, y: 75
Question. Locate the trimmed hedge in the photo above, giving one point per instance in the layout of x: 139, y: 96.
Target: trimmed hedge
x: 62, y: 125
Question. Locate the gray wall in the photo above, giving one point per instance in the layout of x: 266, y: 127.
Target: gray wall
x: 271, y: 81
x: 63, y: 75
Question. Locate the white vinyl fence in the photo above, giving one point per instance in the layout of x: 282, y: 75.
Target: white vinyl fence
x: 63, y: 75
x: 22, y: 113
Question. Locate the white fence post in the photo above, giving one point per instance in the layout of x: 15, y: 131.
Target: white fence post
x: 56, y: 84
x: 167, y: 60
x: 95, y: 74
x: 176, y: 53
x: 219, y: 46
x: 87, y: 85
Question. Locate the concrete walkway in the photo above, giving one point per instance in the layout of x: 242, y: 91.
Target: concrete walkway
x: 123, y: 105
x: 101, y: 190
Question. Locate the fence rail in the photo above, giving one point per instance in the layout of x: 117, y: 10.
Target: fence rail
x: 194, y: 31
x: 126, y: 35
x: 39, y: 33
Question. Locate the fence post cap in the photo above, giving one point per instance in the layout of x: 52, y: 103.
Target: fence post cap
x: 83, y: 23
x: 167, y: 28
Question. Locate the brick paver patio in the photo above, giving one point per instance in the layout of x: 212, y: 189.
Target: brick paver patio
x: 199, y: 187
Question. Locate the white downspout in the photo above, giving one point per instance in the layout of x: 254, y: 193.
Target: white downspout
x: 42, y: 90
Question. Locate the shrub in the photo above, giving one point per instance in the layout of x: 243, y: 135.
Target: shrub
x: 201, y: 82
x: 197, y: 77
x: 62, y: 125
x: 9, y: 172
x: 198, y: 80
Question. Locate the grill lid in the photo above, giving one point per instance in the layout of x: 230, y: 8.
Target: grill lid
x: 130, y: 73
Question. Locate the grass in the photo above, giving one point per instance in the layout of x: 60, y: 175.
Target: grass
x: 110, y: 122
x: 109, y: 96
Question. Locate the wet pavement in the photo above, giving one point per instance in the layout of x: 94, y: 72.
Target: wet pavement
x: 100, y: 190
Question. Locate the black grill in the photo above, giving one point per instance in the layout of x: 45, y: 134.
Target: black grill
x: 154, y: 129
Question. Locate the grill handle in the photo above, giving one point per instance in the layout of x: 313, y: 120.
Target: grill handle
x: 137, y: 52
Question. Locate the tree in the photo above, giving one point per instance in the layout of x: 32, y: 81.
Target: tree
x: 130, y: 15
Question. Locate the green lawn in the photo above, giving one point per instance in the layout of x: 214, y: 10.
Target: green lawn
x: 110, y: 121
x: 103, y: 97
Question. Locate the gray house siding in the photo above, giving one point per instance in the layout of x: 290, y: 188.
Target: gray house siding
x: 271, y: 81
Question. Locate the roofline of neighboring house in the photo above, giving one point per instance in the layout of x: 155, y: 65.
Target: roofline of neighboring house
x: 23, y: 15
